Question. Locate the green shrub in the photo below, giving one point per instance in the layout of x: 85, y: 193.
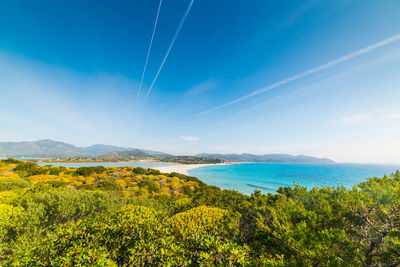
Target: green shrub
x: 25, y: 169
x: 85, y: 171
x: 139, y: 170
x: 150, y: 185
x: 11, y: 160
x: 13, y: 183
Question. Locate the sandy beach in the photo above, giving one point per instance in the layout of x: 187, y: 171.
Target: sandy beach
x: 183, y: 168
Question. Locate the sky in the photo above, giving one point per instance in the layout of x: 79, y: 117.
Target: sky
x: 313, y: 77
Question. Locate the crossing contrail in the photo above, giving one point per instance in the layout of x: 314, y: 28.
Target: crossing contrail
x: 170, y: 46
x: 149, y: 49
x: 308, y: 72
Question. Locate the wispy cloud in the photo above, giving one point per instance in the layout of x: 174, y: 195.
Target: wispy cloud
x: 355, y: 119
x: 299, y: 13
x: 309, y: 72
x: 394, y: 116
x: 203, y: 87
x: 189, y: 138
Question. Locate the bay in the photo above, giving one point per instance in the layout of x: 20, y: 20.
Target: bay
x: 268, y: 177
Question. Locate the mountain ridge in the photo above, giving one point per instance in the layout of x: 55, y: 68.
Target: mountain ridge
x: 56, y: 149
x: 246, y: 157
x: 47, y: 148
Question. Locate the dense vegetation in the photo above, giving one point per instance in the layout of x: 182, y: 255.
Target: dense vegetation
x: 137, y: 155
x: 189, y: 159
x: 55, y: 216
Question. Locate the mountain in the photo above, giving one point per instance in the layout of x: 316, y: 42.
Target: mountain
x: 52, y: 149
x: 136, y: 153
x: 41, y: 148
x: 99, y: 150
x: 155, y: 153
x: 266, y: 158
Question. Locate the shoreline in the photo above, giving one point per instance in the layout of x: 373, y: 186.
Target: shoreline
x: 184, y: 168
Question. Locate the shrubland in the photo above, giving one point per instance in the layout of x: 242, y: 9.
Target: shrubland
x: 125, y: 216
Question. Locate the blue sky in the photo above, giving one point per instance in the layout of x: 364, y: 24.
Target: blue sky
x: 308, y: 77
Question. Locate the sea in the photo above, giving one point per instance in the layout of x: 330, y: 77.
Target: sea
x: 268, y: 177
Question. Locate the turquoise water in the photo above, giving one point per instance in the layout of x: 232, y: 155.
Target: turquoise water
x: 108, y: 164
x: 268, y: 177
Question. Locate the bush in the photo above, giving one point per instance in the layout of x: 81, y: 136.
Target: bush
x: 134, y: 236
x: 139, y: 170
x: 25, y: 169
x: 85, y: 171
x: 99, y: 169
x: 139, y: 236
x: 11, y: 160
x: 154, y: 172
x: 13, y: 183
x: 107, y: 184
x: 59, y: 206
x: 150, y: 185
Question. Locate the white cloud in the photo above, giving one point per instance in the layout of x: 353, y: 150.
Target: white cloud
x: 355, y: 119
x: 189, y: 138
x: 394, y: 116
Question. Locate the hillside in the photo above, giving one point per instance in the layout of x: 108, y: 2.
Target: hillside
x: 52, y: 149
x: 189, y: 159
x: 41, y: 148
x: 129, y: 154
x: 134, y: 155
x: 286, y: 158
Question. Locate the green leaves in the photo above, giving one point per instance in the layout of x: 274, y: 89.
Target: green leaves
x: 139, y: 217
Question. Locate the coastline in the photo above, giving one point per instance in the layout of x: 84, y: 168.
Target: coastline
x: 184, y: 168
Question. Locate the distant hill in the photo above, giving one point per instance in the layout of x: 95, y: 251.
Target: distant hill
x: 52, y: 149
x: 189, y: 159
x: 139, y: 154
x: 136, y: 153
x: 41, y: 148
x: 266, y: 158
x: 98, y: 150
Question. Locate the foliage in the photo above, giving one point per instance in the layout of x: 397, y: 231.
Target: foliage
x: 55, y: 216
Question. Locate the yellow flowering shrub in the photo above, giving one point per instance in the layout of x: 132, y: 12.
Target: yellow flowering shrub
x: 46, y: 178
x: 6, y: 167
x: 9, y: 175
x: 7, y: 196
x: 202, y: 217
x: 165, y: 191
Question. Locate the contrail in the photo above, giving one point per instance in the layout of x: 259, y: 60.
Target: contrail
x: 309, y: 72
x: 149, y: 49
x: 170, y: 46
